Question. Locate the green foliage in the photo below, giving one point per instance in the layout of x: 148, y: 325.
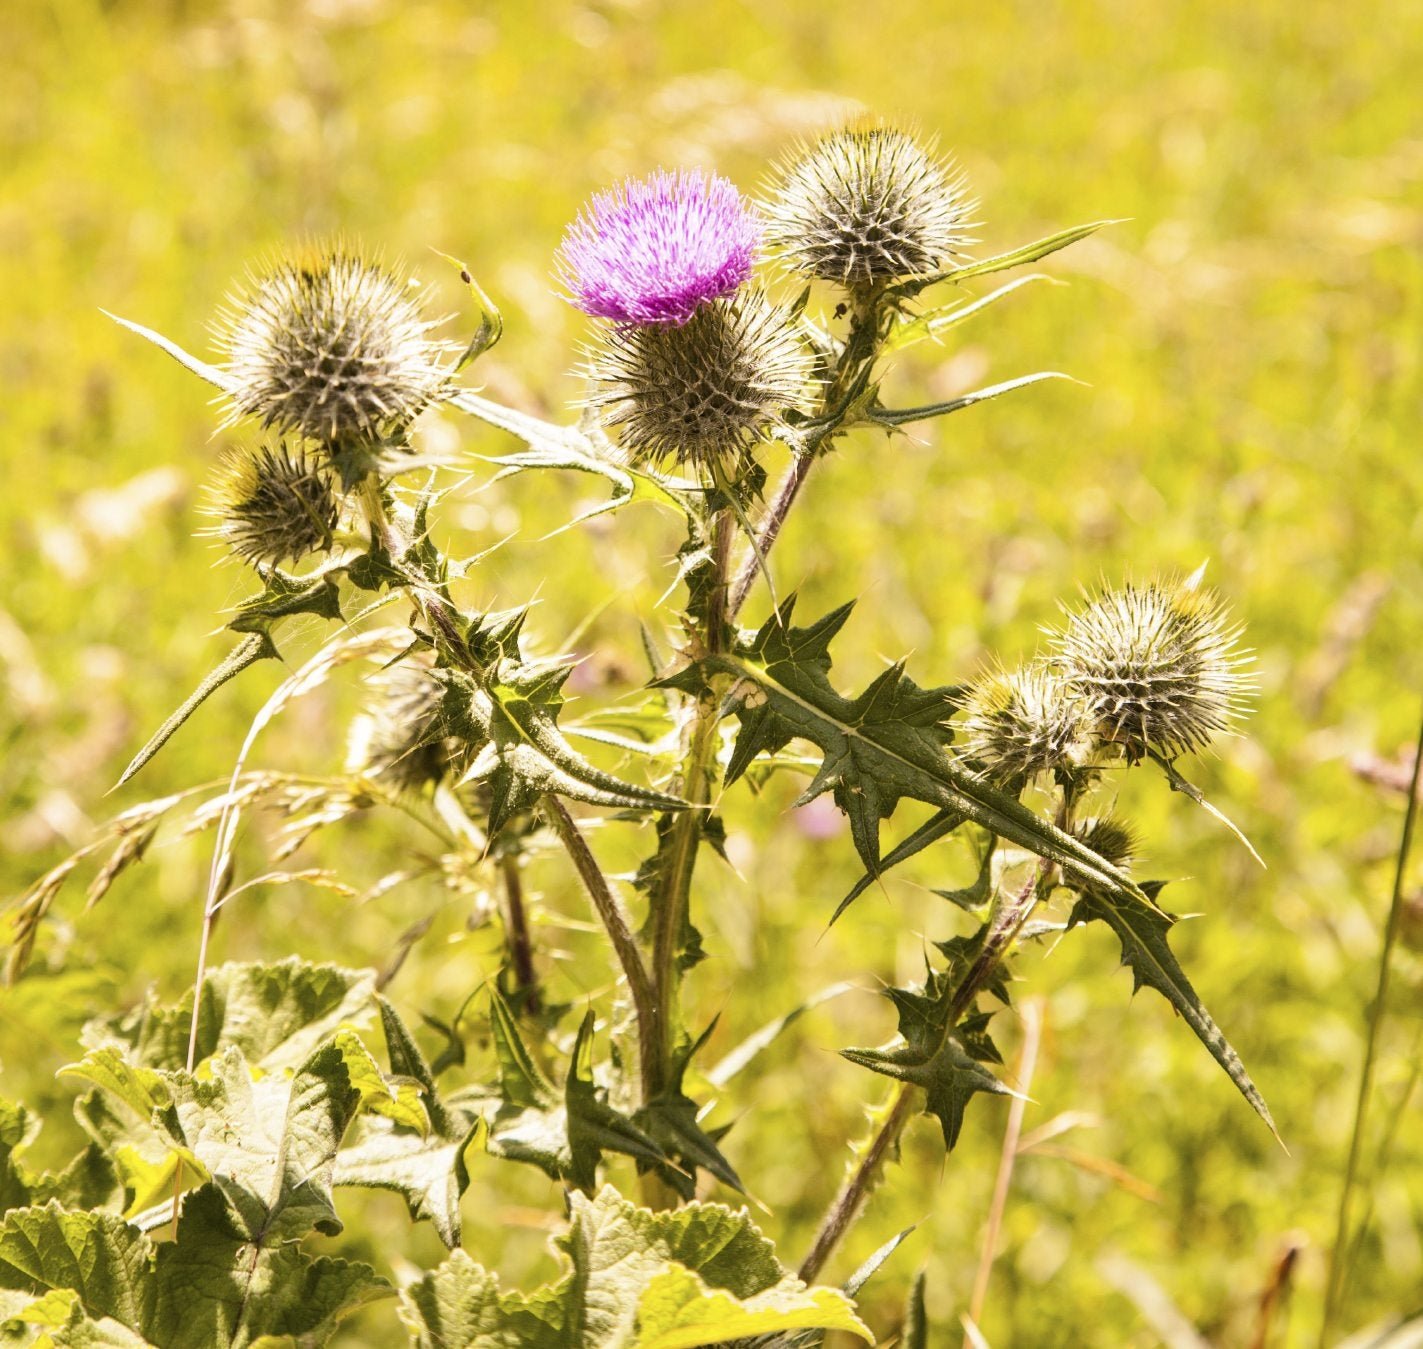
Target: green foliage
x: 640, y: 1280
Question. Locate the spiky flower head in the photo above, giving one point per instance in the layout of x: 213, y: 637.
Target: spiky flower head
x: 401, y: 738
x: 1018, y: 723
x: 655, y: 250
x: 705, y: 391
x: 1158, y: 665
x: 274, y: 503
x: 1109, y: 837
x: 867, y: 204
x: 331, y: 347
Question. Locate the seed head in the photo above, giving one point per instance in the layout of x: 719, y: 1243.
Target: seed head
x: 274, y: 503
x: 1158, y: 666
x: 401, y: 737
x: 703, y: 391
x: 655, y: 250
x: 865, y: 205
x: 330, y: 347
x: 1023, y: 722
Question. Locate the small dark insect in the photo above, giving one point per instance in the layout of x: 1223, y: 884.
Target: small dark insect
x: 466, y: 277
x: 841, y: 310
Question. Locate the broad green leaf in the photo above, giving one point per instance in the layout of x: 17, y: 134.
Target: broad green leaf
x: 213, y: 1287
x: 18, y: 1128
x: 678, y: 1311
x: 1142, y: 934
x: 144, y: 1156
x: 276, y: 1014
x: 398, y: 1099
x: 427, y: 1167
x: 888, y: 743
x: 459, y: 1306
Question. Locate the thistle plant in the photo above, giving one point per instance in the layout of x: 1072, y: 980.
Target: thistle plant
x: 704, y: 379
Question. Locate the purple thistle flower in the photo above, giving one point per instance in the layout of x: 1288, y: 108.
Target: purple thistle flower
x: 653, y: 250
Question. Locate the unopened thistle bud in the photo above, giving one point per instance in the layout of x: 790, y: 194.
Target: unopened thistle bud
x: 703, y: 392
x: 1019, y: 723
x: 332, y: 348
x: 655, y: 250
x: 273, y: 504
x: 401, y: 738
x: 1157, y: 665
x: 867, y: 205
x: 1110, y: 838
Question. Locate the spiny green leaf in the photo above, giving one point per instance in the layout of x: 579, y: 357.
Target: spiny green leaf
x: 909, y: 331
x: 678, y: 1311
x: 1142, y: 934
x: 916, y: 1319
x: 254, y: 647
x: 888, y: 743
x: 937, y: 826
x: 882, y: 416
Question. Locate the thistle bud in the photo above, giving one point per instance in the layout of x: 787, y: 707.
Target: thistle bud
x: 1157, y: 665
x: 867, y: 205
x: 331, y: 348
x: 656, y: 250
x: 1019, y: 723
x: 401, y: 737
x: 273, y: 504
x: 1110, y: 838
x: 705, y: 391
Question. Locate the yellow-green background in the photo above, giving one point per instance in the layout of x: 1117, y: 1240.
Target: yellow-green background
x: 1248, y: 343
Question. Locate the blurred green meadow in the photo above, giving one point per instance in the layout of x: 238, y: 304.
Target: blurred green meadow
x: 1248, y: 343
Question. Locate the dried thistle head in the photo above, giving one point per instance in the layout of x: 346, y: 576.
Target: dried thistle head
x: 1158, y: 665
x: 401, y: 738
x: 330, y: 347
x: 1018, y: 723
x: 703, y: 392
x: 865, y: 205
x: 274, y: 503
x: 655, y: 250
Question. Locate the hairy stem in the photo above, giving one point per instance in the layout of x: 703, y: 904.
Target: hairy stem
x: 1338, y: 1254
x: 770, y: 531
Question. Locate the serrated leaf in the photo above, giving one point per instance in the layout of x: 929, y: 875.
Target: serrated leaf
x: 889, y: 742
x: 398, y: 1099
x: 1142, y: 934
x: 460, y: 1306
x: 678, y: 1311
x: 509, y: 719
x: 97, y: 1255
x: 276, y: 1014
x: 939, y: 825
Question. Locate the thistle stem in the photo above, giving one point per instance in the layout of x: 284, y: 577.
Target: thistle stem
x: 1339, y: 1252
x: 770, y: 531
x: 610, y: 912
x: 516, y: 928
x: 671, y: 902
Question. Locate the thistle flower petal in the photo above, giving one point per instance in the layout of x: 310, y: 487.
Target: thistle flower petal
x: 1019, y: 723
x: 655, y: 250
x: 330, y: 347
x: 1158, y: 665
x: 866, y: 205
x: 273, y: 504
x: 704, y: 391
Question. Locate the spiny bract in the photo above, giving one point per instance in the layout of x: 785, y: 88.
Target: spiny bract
x: 272, y: 504
x: 655, y: 250
x: 703, y: 392
x: 330, y: 347
x: 1157, y: 665
x: 401, y: 737
x: 866, y: 205
x: 1023, y: 722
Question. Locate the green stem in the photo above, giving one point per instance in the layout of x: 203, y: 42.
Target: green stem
x: 1338, y: 1254
x: 671, y: 901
